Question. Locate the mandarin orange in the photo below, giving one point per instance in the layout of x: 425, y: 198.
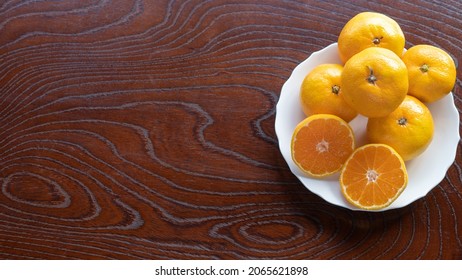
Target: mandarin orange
x: 321, y: 144
x: 321, y: 92
x: 370, y: 29
x: 408, y: 129
x: 373, y: 177
x: 432, y: 72
x: 374, y: 82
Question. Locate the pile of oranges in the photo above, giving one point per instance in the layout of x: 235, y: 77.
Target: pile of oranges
x: 387, y: 84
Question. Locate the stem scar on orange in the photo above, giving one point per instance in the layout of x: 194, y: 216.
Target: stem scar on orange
x: 373, y: 177
x: 321, y: 144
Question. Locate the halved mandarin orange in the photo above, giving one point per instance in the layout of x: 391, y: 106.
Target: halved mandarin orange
x: 373, y: 177
x: 321, y: 144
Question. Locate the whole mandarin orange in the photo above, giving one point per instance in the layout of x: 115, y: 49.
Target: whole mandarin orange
x: 369, y: 29
x: 432, y: 72
x: 408, y: 129
x: 374, y: 82
x: 321, y: 92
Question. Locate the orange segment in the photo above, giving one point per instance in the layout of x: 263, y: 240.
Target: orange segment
x: 373, y: 177
x: 321, y: 144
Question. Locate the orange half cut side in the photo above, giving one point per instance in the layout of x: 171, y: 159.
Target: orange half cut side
x: 321, y: 144
x: 373, y: 177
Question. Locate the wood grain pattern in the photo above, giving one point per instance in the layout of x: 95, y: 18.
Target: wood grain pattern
x: 136, y: 129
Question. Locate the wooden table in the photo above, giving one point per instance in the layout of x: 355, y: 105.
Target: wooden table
x: 136, y: 129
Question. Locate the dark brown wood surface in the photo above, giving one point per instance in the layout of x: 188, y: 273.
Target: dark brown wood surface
x: 144, y: 129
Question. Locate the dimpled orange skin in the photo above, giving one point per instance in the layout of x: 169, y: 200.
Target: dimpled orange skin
x: 321, y: 90
x: 369, y: 29
x: 432, y: 72
x: 409, y: 129
x: 374, y: 82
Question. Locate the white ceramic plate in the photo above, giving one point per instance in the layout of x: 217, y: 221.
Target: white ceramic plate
x: 425, y: 172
